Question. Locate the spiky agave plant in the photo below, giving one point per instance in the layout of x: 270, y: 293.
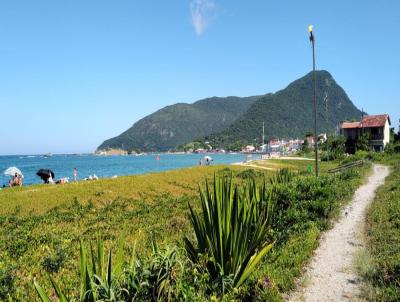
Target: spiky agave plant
x: 282, y: 176
x: 151, y: 279
x: 97, y: 279
x: 154, y: 278
x: 232, y: 229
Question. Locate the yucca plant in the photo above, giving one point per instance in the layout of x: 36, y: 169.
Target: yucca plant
x: 97, y: 279
x: 282, y: 176
x: 232, y: 229
x: 151, y: 279
x: 154, y: 278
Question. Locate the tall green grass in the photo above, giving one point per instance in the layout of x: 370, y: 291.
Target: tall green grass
x: 101, y: 279
x: 35, y: 244
x: 229, y: 256
x: 380, y: 263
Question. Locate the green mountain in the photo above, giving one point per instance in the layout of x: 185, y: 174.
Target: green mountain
x: 174, y: 125
x: 232, y: 121
x: 288, y: 113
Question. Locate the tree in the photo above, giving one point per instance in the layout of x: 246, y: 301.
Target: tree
x: 362, y: 143
x: 336, y: 146
x: 305, y: 147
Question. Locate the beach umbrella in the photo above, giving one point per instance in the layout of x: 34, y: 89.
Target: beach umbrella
x: 208, y: 158
x: 45, y: 174
x: 12, y: 170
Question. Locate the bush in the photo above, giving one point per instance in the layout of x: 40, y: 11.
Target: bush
x: 149, y: 279
x: 375, y: 156
x: 53, y: 262
x: 392, y: 148
x: 361, y: 154
x: 6, y: 281
x: 231, y: 232
x: 362, y: 143
x: 249, y: 174
x: 333, y: 148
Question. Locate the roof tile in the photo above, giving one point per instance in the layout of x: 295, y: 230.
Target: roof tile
x: 369, y: 121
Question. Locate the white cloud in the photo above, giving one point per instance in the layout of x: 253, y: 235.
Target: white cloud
x: 202, y: 12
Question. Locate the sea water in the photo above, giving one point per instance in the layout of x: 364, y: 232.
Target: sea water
x: 104, y: 166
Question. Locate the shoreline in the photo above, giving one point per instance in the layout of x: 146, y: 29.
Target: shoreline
x: 131, y: 167
x: 105, y: 167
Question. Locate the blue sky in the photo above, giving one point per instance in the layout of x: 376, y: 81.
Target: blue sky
x: 73, y: 73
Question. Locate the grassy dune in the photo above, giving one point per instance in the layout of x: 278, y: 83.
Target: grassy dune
x: 41, y: 225
x: 301, y: 165
x: 37, y: 199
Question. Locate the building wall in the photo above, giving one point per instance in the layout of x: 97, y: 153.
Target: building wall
x: 380, y: 137
x: 351, y: 133
x: 386, y: 138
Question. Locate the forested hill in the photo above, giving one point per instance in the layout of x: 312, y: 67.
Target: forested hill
x: 288, y: 112
x: 232, y: 121
x: 180, y: 123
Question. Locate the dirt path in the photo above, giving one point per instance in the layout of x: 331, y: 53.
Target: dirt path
x: 250, y: 165
x: 330, y: 275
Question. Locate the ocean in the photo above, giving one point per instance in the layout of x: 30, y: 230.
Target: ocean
x: 104, y: 166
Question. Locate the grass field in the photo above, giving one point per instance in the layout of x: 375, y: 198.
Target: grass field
x: 301, y: 165
x: 41, y: 225
x: 380, y: 264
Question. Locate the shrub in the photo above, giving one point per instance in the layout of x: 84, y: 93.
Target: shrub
x: 375, y: 156
x: 361, y: 154
x: 231, y: 232
x: 225, y: 172
x: 392, y: 148
x: 249, y: 174
x: 362, y: 143
x: 282, y: 176
x: 53, y: 262
x: 335, y: 148
x: 6, y: 281
x: 149, y: 279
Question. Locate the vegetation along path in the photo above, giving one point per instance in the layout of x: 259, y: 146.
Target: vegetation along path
x: 330, y: 275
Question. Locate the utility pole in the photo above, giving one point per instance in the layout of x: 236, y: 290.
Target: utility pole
x: 312, y: 40
x: 263, y: 137
x: 362, y: 124
x: 326, y: 120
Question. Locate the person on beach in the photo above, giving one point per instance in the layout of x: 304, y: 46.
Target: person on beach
x: 50, y: 180
x: 62, y: 181
x: 200, y: 162
x: 12, y: 180
x: 19, y: 180
x: 16, y: 180
x: 75, y: 174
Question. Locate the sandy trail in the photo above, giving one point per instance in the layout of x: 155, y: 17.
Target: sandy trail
x: 330, y: 275
x: 250, y: 165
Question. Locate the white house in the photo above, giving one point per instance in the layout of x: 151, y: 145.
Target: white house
x: 377, y: 126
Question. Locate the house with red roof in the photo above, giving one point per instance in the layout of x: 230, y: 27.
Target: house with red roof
x: 377, y: 126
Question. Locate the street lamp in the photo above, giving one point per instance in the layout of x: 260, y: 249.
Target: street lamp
x: 312, y: 40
